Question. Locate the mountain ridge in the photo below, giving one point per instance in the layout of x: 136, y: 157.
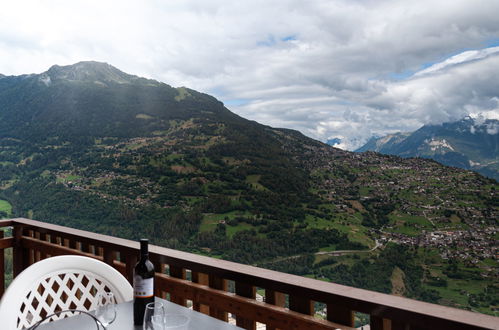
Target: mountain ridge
x: 470, y: 143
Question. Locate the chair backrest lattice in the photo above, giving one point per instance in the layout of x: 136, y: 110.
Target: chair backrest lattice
x: 60, y: 291
x: 58, y: 284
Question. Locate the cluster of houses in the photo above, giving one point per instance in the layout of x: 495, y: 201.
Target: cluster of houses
x: 471, y: 245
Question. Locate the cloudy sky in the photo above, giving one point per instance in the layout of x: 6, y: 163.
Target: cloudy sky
x: 344, y: 69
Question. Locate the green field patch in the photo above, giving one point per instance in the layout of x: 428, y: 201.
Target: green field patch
x: 206, y: 161
x: 67, y: 178
x: 364, y: 191
x: 454, y: 218
x: 159, y: 133
x: 409, y: 225
x: 316, y: 222
x: 230, y: 160
x: 45, y: 174
x: 97, y: 182
x: 183, y: 93
x: 7, y: 184
x: 349, y: 225
x: 320, y: 257
x: 325, y: 249
x: 193, y: 200
x: 349, y: 259
x: 253, y: 180
x: 456, y: 291
x: 175, y: 157
x: 211, y: 220
x: 183, y: 169
x: 405, y: 230
x: 397, y: 280
x: 231, y: 230
x: 137, y: 144
x: 233, y: 161
x: 144, y: 116
x: 5, y: 207
x: 356, y: 205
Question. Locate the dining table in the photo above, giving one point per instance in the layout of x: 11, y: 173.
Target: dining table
x: 124, y: 319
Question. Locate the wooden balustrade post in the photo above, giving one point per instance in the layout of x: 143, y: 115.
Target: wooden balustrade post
x: 203, y: 279
x: 219, y: 284
x: 274, y: 298
x: 340, y: 314
x: 109, y: 256
x: 18, y: 253
x: 85, y: 247
x: 397, y: 325
x: 248, y: 291
x: 43, y: 237
x: 30, y: 255
x: 36, y: 253
x: 177, y: 272
x: 2, y: 267
x: 69, y: 243
x: 301, y: 305
x: 378, y: 323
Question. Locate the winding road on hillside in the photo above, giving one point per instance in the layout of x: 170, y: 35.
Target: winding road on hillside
x: 343, y: 252
x: 336, y: 253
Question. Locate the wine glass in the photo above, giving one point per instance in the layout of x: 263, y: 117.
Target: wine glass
x: 154, y: 311
x: 158, y: 322
x: 175, y: 322
x: 106, y: 308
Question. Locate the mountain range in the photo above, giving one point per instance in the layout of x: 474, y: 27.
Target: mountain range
x: 470, y: 143
x: 91, y: 147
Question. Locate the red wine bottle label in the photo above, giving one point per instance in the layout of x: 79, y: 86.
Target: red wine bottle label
x: 143, y: 287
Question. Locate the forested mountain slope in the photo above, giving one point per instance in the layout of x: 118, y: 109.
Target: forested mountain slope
x: 91, y: 147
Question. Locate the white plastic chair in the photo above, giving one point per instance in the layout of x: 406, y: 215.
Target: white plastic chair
x: 59, y: 283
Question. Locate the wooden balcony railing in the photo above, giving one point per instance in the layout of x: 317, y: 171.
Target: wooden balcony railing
x: 218, y: 287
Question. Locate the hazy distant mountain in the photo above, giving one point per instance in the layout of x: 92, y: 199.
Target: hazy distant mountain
x: 383, y: 144
x: 470, y: 143
x: 333, y: 141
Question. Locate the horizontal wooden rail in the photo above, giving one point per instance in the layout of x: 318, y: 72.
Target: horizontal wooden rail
x: 6, y: 223
x: 207, y: 289
x: 274, y: 316
x: 6, y: 243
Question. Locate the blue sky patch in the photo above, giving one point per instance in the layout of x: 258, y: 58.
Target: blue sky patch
x: 289, y: 38
x: 272, y: 41
x: 235, y: 102
x: 492, y: 43
x: 401, y: 75
x: 268, y: 43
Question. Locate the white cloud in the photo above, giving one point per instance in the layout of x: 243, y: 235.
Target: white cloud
x: 325, y: 67
x: 463, y: 57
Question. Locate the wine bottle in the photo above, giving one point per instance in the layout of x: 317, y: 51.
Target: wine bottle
x: 143, y: 283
